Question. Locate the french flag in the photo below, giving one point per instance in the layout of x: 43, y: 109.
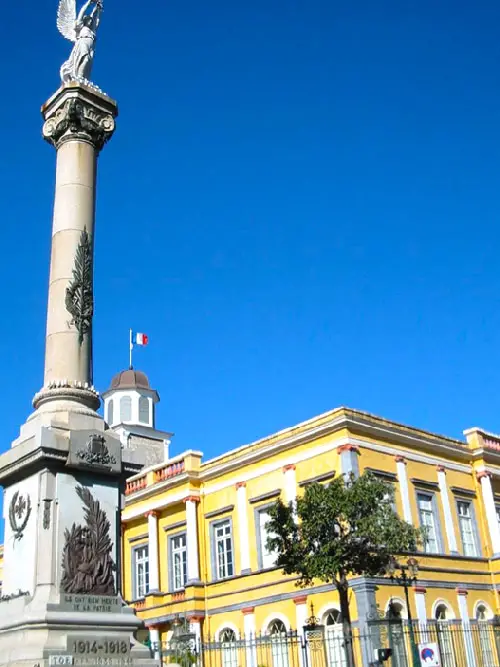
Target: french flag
x: 140, y: 339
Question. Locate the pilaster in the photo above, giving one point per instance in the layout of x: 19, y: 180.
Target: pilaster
x: 242, y: 509
x: 403, y: 488
x: 290, y: 483
x: 154, y: 565
x: 193, y: 568
x: 448, y: 517
x: 491, y: 514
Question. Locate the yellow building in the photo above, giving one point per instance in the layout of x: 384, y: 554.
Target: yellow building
x: 194, y: 530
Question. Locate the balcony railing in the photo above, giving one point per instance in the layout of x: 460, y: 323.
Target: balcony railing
x: 159, y: 473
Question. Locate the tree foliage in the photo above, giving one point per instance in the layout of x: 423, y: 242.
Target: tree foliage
x: 346, y: 527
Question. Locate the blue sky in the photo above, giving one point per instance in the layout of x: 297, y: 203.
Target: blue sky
x: 300, y: 207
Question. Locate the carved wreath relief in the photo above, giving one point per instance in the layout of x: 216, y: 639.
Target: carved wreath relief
x: 19, y: 514
x: 96, y: 452
x: 87, y: 565
x: 79, y: 293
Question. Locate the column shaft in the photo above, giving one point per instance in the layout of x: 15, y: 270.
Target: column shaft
x: 66, y: 358
x: 491, y: 513
x: 403, y: 489
x: 154, y: 570
x: 448, y: 517
x: 193, y: 568
x: 290, y: 485
x: 241, y: 503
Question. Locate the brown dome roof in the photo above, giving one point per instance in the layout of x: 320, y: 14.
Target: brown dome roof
x: 130, y: 379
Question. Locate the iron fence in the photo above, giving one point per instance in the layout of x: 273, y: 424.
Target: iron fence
x: 474, y: 644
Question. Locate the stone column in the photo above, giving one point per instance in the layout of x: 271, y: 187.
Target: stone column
x: 193, y: 568
x: 467, y: 632
x: 491, y: 512
x: 300, y: 621
x: 250, y: 632
x: 448, y: 517
x: 349, y: 459
x: 419, y: 593
x: 154, y: 567
x: 241, y: 504
x: 290, y: 484
x: 403, y: 488
x: 154, y: 638
x: 78, y: 122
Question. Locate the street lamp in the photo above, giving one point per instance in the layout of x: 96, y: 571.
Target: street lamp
x: 406, y: 578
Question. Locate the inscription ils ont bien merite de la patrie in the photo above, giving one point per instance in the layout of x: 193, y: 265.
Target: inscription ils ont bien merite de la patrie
x: 91, y: 603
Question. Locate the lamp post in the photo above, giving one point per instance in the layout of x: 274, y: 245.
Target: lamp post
x: 407, y: 577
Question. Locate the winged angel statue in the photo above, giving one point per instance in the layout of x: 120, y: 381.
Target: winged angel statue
x: 82, y: 30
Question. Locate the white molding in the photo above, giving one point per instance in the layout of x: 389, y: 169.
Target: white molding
x: 276, y: 616
x: 401, y: 602
x: 482, y: 603
x: 329, y: 606
x: 447, y: 604
x: 229, y: 626
x: 448, y: 517
x: 404, y: 491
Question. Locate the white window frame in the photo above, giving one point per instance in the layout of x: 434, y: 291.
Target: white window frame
x: 178, y: 561
x: 141, y: 570
x: 222, y: 568
x: 435, y: 520
x: 267, y: 559
x: 473, y: 532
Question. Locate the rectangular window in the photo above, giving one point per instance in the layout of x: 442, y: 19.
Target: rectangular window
x: 141, y: 571
x: 266, y: 558
x: 178, y: 561
x: 465, y: 520
x: 428, y: 520
x: 223, y: 546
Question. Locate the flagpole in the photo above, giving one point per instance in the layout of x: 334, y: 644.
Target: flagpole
x: 131, y: 347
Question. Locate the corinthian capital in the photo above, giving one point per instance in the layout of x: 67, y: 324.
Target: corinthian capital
x: 78, y: 112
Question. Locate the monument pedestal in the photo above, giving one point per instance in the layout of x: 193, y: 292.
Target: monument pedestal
x: 63, y: 477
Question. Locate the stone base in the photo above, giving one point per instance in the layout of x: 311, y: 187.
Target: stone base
x: 46, y: 635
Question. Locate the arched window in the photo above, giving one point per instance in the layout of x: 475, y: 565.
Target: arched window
x: 443, y: 615
x: 144, y: 410
x: 110, y: 411
x: 227, y: 638
x: 125, y: 409
x: 486, y: 637
x: 334, y: 638
x: 277, y: 632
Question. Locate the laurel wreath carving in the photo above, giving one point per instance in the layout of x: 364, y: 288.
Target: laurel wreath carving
x: 87, y: 564
x: 17, y: 523
x: 79, y: 293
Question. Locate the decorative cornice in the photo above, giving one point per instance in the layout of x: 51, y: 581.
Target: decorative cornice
x: 192, y: 499
x: 349, y: 448
x: 248, y: 610
x: 300, y: 599
x: 79, y: 120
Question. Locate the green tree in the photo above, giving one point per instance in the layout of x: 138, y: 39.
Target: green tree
x: 348, y: 527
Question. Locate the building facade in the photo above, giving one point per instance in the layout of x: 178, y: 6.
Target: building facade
x: 194, y: 539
